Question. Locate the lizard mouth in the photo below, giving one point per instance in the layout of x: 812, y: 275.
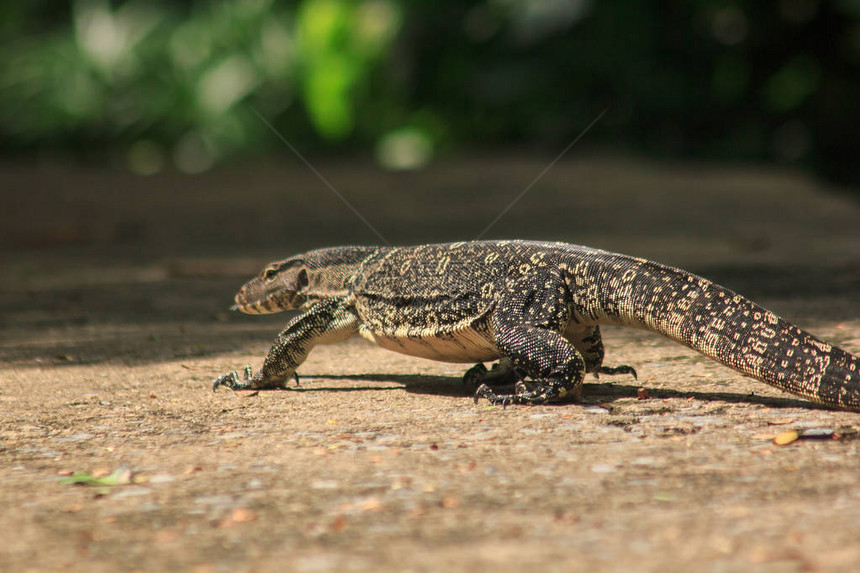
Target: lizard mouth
x: 257, y: 307
x: 271, y: 304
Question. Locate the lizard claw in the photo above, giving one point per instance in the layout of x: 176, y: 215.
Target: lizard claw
x: 228, y: 380
x: 484, y: 391
x: 232, y: 381
x: 249, y: 382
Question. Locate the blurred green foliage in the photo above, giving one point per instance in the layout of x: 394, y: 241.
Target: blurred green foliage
x: 187, y: 82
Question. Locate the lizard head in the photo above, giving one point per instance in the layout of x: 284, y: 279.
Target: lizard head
x: 280, y: 286
x: 300, y: 281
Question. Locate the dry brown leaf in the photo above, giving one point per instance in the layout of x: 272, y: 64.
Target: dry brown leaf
x: 239, y: 515
x: 339, y: 523
x: 450, y: 502
x: 780, y: 421
x: 243, y: 515
x: 370, y: 504
x: 467, y: 467
x: 786, y: 438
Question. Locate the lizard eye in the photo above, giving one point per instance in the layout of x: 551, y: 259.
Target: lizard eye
x: 302, y: 280
x: 270, y: 273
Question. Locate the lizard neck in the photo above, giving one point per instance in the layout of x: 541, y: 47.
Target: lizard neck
x: 331, y: 270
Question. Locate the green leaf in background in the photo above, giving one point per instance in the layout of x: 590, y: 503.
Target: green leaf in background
x: 377, y: 22
x: 328, y: 92
x: 339, y: 43
x: 731, y: 78
x: 322, y: 26
x: 405, y: 148
x: 792, y: 85
x: 173, y: 84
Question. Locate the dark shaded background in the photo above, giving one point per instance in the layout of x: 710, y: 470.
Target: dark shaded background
x: 156, y: 85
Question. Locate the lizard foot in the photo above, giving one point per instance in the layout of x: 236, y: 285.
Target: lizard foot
x: 249, y: 382
x: 232, y: 381
x: 523, y: 394
x: 502, y: 400
x: 612, y: 370
x: 533, y: 392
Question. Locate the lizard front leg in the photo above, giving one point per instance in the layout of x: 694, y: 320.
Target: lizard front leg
x: 326, y: 322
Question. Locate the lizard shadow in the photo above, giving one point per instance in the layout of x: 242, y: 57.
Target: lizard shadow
x: 592, y: 393
x: 413, y: 383
x: 608, y: 392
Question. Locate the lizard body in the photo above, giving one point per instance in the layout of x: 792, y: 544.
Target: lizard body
x: 534, y: 306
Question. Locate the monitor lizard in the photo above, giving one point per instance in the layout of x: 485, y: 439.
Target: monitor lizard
x: 536, y: 307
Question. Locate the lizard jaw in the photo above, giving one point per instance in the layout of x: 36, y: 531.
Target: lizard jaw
x: 271, y: 304
x: 257, y: 307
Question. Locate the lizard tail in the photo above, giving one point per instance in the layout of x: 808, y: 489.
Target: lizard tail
x: 732, y: 330
x: 752, y: 340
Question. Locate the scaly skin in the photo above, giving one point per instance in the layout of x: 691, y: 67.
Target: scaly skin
x: 534, y: 306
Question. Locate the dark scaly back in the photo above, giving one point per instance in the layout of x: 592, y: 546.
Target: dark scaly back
x: 715, y: 321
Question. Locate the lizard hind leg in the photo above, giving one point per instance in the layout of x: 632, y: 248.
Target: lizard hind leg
x: 536, y: 391
x: 554, y: 365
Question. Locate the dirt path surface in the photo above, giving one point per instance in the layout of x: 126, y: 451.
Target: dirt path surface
x: 113, y: 324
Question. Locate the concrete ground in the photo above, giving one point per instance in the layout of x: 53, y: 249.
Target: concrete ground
x: 113, y: 323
